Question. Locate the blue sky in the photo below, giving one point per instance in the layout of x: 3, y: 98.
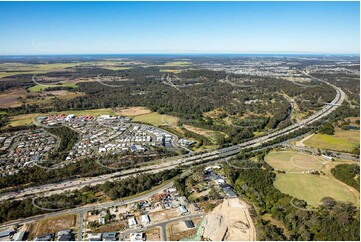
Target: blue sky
x: 179, y: 27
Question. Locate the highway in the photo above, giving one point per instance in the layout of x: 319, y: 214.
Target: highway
x: 171, y: 163
x: 97, y: 206
x: 91, y: 207
x: 219, y: 155
x: 192, y: 159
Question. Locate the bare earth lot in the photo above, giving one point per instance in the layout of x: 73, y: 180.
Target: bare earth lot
x: 133, y: 111
x: 9, y: 98
x: 53, y: 225
x: 230, y: 221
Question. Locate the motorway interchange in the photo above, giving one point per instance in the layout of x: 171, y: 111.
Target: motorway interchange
x: 190, y: 159
x: 170, y: 163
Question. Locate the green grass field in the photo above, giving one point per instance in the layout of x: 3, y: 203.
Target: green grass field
x: 292, y: 161
x: 18, y: 68
x: 177, y: 63
x: 342, y: 140
x: 313, y: 188
x: 156, y: 119
x: 38, y: 88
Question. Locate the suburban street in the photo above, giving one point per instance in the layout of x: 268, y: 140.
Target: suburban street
x: 161, y: 225
x: 173, y: 162
x: 218, y: 154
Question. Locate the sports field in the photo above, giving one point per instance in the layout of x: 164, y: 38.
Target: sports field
x: 342, y: 140
x: 313, y: 188
x: 293, y: 161
x: 156, y: 119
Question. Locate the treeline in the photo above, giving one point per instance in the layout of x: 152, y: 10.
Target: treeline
x: 87, y: 167
x: 331, y: 221
x: 68, y: 139
x: 327, y: 128
x: 349, y: 174
x: 11, y: 210
x: 4, y: 119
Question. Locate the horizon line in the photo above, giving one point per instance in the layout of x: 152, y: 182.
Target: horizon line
x: 185, y: 53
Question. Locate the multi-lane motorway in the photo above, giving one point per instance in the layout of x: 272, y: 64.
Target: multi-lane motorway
x: 49, y: 189
x: 167, y: 164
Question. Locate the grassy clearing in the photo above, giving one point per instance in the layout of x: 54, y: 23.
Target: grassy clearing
x: 55, y: 224
x: 18, y: 68
x: 116, y: 68
x: 312, y: 188
x: 177, y: 63
x: 292, y: 161
x: 195, y: 195
x: 342, y: 140
x: 213, y: 136
x: 11, y: 69
x: 133, y: 111
x: 26, y: 119
x: 157, y: 119
x: 214, y: 113
x: 171, y: 71
x: 38, y: 88
x: 9, y: 98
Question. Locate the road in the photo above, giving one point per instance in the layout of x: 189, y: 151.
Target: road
x: 98, y: 206
x: 336, y: 154
x: 173, y: 162
x: 80, y: 225
x: 192, y: 159
x: 161, y: 225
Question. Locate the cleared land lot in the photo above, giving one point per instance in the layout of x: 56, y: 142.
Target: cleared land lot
x: 16, y: 97
x: 133, y: 111
x: 313, y: 188
x: 55, y: 224
x: 178, y: 230
x: 152, y: 234
x: 342, y: 140
x: 157, y: 119
x: 213, y: 136
x: 292, y: 161
x: 229, y: 221
x: 9, y: 98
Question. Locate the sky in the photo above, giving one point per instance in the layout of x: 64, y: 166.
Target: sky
x: 179, y: 27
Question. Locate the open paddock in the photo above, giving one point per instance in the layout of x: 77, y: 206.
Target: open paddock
x: 313, y: 188
x: 157, y: 119
x: 293, y: 161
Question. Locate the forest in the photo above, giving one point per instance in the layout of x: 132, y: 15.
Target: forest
x: 349, y: 174
x: 331, y: 221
